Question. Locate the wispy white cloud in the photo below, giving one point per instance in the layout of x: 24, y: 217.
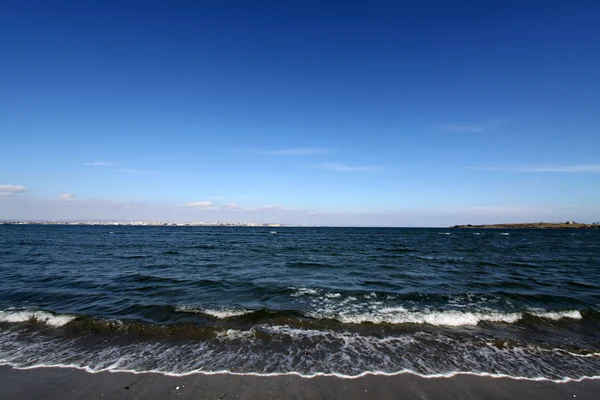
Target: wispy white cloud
x: 99, y: 164
x: 231, y: 206
x: 340, y: 167
x: 473, y: 128
x: 135, y: 171
x: 67, y: 197
x: 10, y: 190
x: 585, y: 168
x: 303, y: 151
x: 237, y: 207
x: 565, y: 168
x: 232, y: 197
x: 117, y: 168
x: 199, y: 204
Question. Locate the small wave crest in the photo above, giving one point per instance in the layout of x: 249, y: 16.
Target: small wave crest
x: 557, y: 315
x: 377, y: 308
x: 304, y: 291
x: 400, y: 315
x: 37, y: 316
x: 220, y: 313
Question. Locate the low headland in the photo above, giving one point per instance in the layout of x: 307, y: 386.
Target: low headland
x: 535, y: 225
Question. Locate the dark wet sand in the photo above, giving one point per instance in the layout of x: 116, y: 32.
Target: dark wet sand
x: 65, y: 383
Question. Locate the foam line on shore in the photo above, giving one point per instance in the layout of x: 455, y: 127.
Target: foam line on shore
x: 307, y: 376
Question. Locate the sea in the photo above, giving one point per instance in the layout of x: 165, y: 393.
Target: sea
x: 309, y: 301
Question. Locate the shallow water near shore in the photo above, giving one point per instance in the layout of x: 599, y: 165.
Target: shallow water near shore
x: 341, y: 301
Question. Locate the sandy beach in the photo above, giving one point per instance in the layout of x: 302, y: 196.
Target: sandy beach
x: 67, y: 383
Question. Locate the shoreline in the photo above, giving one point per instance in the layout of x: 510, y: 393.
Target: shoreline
x: 530, y: 225
x: 294, y: 374
x: 70, y: 383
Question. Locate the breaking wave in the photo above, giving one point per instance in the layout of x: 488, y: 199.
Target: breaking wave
x: 35, y: 316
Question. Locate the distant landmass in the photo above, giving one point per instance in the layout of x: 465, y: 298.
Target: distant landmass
x: 140, y: 223
x: 536, y: 225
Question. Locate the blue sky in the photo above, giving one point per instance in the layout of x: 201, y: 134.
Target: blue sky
x: 402, y: 113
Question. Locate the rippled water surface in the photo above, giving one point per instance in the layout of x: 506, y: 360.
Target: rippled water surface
x: 523, y: 303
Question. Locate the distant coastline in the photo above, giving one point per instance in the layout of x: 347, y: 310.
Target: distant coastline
x: 525, y: 225
x: 141, y: 223
x: 535, y: 225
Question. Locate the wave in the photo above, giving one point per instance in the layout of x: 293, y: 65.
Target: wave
x: 36, y: 316
x: 305, y: 291
x: 399, y: 315
x: 384, y: 315
x: 135, y: 257
x: 281, y: 350
x: 379, y: 308
x: 220, y: 313
x: 557, y: 315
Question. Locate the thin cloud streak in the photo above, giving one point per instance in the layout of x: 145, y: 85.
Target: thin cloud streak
x: 120, y: 169
x: 568, y: 168
x: 9, y: 190
x: 585, y: 168
x: 295, y: 152
x: 99, y: 164
x: 476, y: 128
x: 340, y: 167
x: 199, y: 204
x: 237, y: 207
x: 135, y: 171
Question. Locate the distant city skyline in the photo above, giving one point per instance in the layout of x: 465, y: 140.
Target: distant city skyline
x: 411, y: 114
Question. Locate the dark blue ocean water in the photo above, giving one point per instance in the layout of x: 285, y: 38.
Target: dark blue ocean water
x: 346, y: 301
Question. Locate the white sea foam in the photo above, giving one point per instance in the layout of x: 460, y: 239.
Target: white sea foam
x: 400, y: 315
x: 226, y: 313
x: 232, y: 334
x: 304, y: 291
x: 462, y: 310
x: 40, y: 316
x: 587, y: 355
x: 215, y: 312
x: 304, y: 355
x: 443, y: 318
x: 556, y: 315
x: 444, y: 375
